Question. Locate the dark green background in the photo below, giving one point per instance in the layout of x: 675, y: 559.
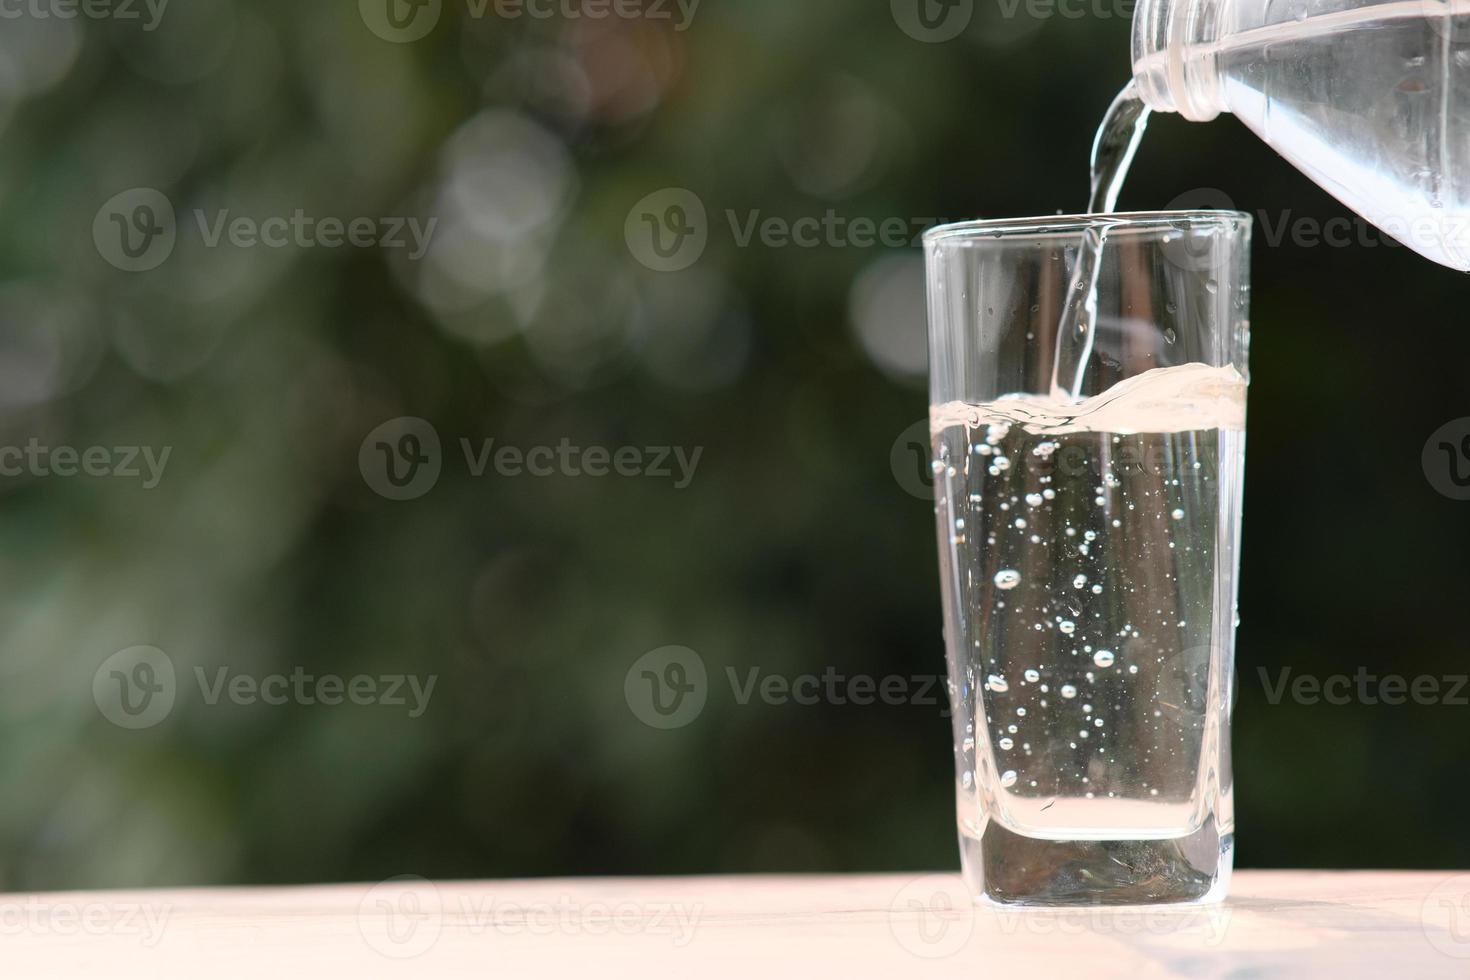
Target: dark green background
x: 794, y: 550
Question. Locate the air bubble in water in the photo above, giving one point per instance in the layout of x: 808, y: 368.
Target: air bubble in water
x: 997, y: 683
x: 1103, y: 658
x: 1007, y: 579
x: 1008, y: 778
x: 1033, y: 499
x: 1178, y: 514
x: 1068, y: 691
x: 1032, y: 676
x: 1079, y: 581
x: 1067, y: 626
x: 1006, y: 744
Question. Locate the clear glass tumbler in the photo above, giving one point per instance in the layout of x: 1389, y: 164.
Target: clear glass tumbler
x: 1088, y: 488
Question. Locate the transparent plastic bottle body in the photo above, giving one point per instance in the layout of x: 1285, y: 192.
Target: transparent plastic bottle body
x: 1367, y: 99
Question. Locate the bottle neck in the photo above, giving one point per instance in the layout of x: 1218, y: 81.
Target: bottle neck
x: 1172, y: 66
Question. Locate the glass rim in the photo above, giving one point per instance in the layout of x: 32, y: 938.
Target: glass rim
x: 1063, y: 224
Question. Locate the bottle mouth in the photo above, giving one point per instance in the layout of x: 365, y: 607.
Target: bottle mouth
x: 1173, y: 67
x: 1150, y: 40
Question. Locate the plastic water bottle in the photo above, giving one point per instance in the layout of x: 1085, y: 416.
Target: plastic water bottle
x: 1371, y: 100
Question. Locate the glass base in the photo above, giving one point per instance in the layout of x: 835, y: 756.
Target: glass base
x: 1008, y: 869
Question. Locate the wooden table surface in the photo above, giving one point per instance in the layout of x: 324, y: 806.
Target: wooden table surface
x: 1288, y: 924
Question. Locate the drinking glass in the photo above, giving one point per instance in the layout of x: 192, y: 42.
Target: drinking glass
x: 1088, y: 490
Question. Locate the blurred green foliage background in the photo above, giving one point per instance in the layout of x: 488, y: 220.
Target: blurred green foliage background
x: 795, y: 549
